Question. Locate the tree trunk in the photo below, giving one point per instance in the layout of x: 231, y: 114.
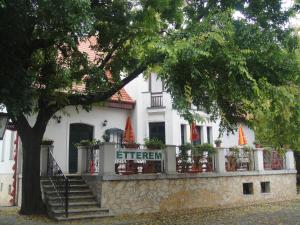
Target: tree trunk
x: 31, y: 192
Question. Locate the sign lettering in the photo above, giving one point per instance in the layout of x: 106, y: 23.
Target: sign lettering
x: 149, y: 155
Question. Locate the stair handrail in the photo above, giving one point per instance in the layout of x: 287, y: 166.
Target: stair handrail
x: 59, y: 181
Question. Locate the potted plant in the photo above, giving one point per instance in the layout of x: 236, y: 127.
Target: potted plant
x: 257, y: 143
x: 131, y: 145
x: 232, y: 158
x: 84, y: 145
x: 218, y: 143
x: 198, y: 153
x: 184, y: 156
x: 154, y: 143
x: 153, y: 166
x: 248, y: 157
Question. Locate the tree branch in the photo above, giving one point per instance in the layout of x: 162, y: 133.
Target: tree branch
x: 86, y: 99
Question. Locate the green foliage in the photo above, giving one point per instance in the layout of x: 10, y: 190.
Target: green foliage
x: 85, y: 143
x: 154, y: 143
x: 234, y: 150
x: 277, y: 123
x: 198, y: 150
x: 47, y: 142
x: 218, y: 141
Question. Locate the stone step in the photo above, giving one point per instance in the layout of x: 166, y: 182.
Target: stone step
x: 71, y: 192
x: 71, y: 186
x: 48, y: 182
x: 73, y: 198
x: 81, y: 217
x: 78, y: 211
x: 54, y: 204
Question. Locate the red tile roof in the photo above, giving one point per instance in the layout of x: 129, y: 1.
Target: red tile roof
x: 93, y: 56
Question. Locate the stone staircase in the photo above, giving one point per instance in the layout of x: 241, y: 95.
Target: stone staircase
x: 82, y: 203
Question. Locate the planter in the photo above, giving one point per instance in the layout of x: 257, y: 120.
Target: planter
x: 131, y: 145
x: 83, y: 147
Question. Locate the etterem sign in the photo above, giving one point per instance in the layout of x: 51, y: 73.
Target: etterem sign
x: 149, y: 155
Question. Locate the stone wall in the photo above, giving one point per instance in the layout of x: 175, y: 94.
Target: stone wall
x: 128, y: 195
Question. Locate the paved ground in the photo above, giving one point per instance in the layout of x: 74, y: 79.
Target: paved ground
x: 281, y: 213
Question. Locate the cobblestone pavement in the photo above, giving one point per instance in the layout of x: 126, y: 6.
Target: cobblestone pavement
x: 280, y: 213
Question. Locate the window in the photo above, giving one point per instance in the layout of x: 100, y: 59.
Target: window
x: 157, y: 130
x: 183, y: 133
x: 9, y: 189
x: 199, y: 131
x: 265, y: 187
x: 209, y: 135
x: 1, y: 187
x: 248, y: 188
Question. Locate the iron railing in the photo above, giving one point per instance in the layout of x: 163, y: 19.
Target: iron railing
x: 156, y: 101
x: 273, y: 160
x: 241, y: 160
x: 59, y: 182
x: 187, y: 163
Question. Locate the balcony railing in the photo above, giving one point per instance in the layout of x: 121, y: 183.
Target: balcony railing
x: 242, y: 160
x: 110, y: 158
x: 156, y: 100
x: 273, y: 160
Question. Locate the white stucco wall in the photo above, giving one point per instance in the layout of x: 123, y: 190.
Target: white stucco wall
x: 6, y: 164
x: 143, y: 114
x: 59, y: 132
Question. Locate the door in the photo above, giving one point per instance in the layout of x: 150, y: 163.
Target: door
x: 157, y: 130
x: 78, y: 132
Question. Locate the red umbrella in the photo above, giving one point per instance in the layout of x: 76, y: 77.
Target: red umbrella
x: 128, y: 133
x: 242, y: 138
x: 194, y: 133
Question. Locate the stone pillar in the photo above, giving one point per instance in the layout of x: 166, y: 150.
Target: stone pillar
x: 170, y: 159
x: 44, y: 158
x: 107, y: 159
x: 258, y: 159
x: 289, y: 160
x: 220, y: 160
x: 82, y: 158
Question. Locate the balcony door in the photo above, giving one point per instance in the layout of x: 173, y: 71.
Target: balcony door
x: 78, y: 132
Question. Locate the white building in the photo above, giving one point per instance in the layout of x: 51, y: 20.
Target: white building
x: 143, y: 100
x: 7, y: 168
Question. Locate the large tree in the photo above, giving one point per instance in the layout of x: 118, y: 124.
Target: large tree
x: 203, y: 52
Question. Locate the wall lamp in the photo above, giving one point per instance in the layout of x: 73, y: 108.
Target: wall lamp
x: 104, y: 123
x: 57, y: 118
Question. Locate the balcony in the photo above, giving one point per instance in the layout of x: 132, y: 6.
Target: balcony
x: 156, y: 100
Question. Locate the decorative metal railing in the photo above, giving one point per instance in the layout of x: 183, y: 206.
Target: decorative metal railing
x: 242, y: 160
x: 126, y: 166
x: 156, y: 100
x: 93, y: 159
x: 273, y: 160
x: 196, y: 164
x: 59, y: 182
x: 186, y: 163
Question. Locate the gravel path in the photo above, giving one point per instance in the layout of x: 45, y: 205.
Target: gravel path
x: 280, y: 213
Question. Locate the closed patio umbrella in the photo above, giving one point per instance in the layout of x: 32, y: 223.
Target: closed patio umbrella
x: 242, y: 139
x: 194, y: 133
x: 128, y: 133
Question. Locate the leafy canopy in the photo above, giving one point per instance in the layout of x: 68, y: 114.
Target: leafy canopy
x: 204, y: 52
